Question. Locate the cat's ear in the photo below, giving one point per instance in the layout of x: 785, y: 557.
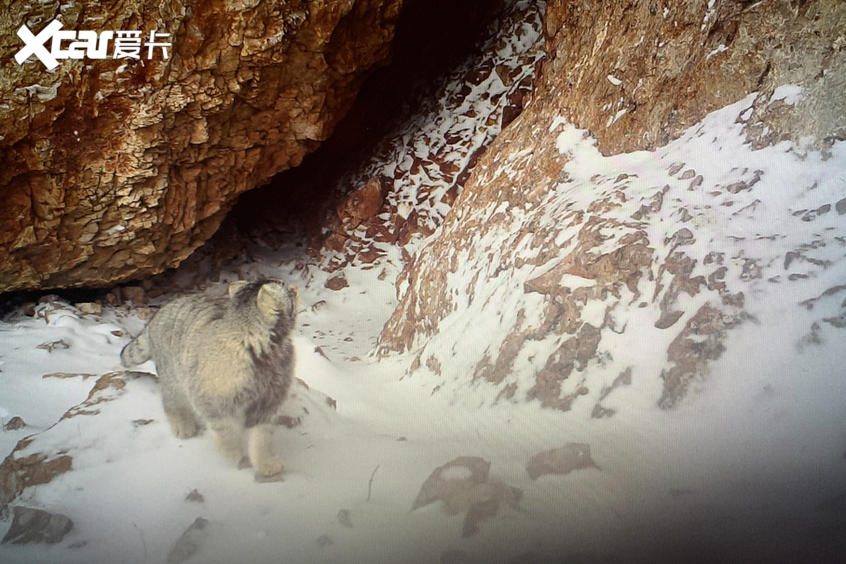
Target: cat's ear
x: 235, y: 286
x: 275, y: 298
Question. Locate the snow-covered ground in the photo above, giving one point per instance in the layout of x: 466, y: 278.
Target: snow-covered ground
x: 748, y: 464
x: 752, y: 463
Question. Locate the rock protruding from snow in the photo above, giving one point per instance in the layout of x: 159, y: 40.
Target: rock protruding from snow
x: 31, y: 525
x: 559, y: 268
x: 19, y: 471
x: 464, y: 486
x: 14, y: 424
x: 402, y: 193
x: 636, y: 79
x: 562, y: 460
x: 188, y: 544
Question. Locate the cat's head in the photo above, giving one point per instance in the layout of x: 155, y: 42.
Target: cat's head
x: 273, y: 298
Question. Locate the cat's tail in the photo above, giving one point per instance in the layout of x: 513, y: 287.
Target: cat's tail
x: 137, y: 351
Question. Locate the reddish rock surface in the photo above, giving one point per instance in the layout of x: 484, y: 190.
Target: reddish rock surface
x: 637, y: 74
x: 610, y: 247
x: 113, y: 169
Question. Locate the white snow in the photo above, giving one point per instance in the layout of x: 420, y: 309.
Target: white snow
x: 717, y: 50
x: 770, y: 412
x: 787, y: 93
x: 615, y: 117
x: 762, y: 440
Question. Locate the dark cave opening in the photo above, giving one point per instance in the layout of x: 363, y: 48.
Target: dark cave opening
x: 432, y: 38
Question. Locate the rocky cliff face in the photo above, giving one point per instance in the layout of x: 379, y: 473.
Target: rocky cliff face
x: 119, y: 168
x: 637, y: 74
x: 586, y: 270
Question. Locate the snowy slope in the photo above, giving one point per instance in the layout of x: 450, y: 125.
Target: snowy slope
x: 636, y: 246
x: 753, y: 462
x: 693, y: 297
x: 424, y: 162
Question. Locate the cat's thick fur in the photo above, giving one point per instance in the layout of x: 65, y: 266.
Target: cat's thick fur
x: 225, y: 363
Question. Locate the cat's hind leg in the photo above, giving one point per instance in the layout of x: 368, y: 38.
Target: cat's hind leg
x: 228, y: 432
x: 180, y: 414
x: 261, y: 452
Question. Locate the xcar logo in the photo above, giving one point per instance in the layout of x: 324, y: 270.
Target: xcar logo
x: 126, y: 44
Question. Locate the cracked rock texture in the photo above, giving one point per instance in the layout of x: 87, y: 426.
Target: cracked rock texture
x: 572, y: 254
x: 637, y: 74
x: 119, y: 168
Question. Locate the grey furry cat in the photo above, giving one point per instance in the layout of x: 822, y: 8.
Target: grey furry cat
x: 225, y: 363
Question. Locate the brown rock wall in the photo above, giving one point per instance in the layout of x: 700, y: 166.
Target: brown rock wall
x: 610, y: 246
x: 119, y: 168
x: 637, y: 74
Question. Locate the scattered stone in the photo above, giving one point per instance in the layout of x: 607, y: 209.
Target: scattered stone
x: 108, y: 387
x: 141, y: 422
x: 89, y: 308
x: 696, y: 182
x: 189, y: 543
x: 324, y: 541
x: 464, y: 486
x: 195, y: 496
x: 53, y: 345
x: 134, y: 294
x: 113, y: 297
x: 700, y: 342
x: 563, y: 460
x: 668, y: 319
x: 624, y: 379
x: 362, y: 204
x: 838, y: 321
x: 840, y: 206
x: 337, y: 283
x: 34, y: 469
x: 675, y: 168
x: 459, y: 474
x: 28, y: 309
x: 344, y: 518
x: 14, y: 424
x: 680, y: 238
x: 36, y: 525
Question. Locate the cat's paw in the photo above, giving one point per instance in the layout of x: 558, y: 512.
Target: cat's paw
x: 231, y: 452
x: 268, y: 466
x: 183, y: 427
